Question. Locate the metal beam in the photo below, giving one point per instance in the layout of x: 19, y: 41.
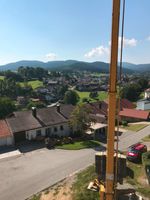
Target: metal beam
x: 112, y: 101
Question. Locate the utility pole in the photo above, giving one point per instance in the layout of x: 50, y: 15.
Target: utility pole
x: 109, y: 191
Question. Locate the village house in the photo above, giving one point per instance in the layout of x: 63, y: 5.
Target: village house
x: 28, y: 125
x: 44, y: 122
x: 144, y: 104
x: 53, y: 121
x: 132, y: 115
x: 6, y: 136
x: 127, y: 111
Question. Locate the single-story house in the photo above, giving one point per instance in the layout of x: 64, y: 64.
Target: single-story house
x: 132, y: 115
x: 22, y: 122
x: 6, y: 136
x: 28, y: 125
x: 143, y: 104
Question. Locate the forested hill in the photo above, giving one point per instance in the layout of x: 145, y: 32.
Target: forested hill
x: 75, y: 65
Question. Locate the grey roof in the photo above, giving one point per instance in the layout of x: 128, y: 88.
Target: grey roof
x: 144, y: 100
x: 50, y: 116
x: 22, y: 122
x: 66, y: 110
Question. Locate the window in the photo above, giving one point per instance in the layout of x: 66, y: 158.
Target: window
x: 61, y: 128
x: 38, y: 133
x: 55, y: 129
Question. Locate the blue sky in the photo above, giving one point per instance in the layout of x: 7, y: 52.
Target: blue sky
x: 70, y: 29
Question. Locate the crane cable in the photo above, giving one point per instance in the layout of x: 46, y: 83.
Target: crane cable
x: 119, y: 90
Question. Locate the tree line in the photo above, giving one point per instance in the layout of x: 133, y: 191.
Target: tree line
x: 25, y: 73
x: 132, y: 91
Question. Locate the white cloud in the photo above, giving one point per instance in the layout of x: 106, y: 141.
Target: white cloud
x: 51, y: 56
x: 102, y: 51
x: 127, y: 42
x: 97, y: 52
x: 148, y: 38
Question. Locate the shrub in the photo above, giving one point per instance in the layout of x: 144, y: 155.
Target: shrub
x: 85, y: 99
x: 146, y: 158
x: 124, y: 123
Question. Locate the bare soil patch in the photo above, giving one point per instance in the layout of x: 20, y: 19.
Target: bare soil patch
x: 60, y: 191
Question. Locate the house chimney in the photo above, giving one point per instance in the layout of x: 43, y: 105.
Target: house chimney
x: 34, y: 111
x: 58, y: 108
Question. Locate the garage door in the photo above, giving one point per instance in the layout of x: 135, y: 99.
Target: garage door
x: 3, y: 141
x: 19, y: 137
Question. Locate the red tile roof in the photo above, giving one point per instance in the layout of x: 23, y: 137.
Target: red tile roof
x: 101, y: 107
x: 125, y: 103
x: 138, y: 114
x: 4, y: 129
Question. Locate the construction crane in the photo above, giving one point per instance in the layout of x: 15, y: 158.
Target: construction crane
x: 112, y: 101
x: 107, y: 189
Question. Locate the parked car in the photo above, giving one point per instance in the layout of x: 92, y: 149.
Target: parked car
x: 135, y: 151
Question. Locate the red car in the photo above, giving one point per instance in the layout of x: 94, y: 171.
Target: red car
x: 135, y: 151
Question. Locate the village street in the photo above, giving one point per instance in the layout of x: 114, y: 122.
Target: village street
x: 25, y: 175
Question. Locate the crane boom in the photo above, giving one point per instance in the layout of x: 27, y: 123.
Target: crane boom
x: 112, y: 101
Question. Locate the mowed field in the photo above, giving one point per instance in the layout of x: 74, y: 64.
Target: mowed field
x: 101, y: 96
x: 2, y: 77
x: 34, y: 84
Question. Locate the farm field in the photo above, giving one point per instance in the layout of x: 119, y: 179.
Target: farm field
x: 34, y: 84
x: 101, y: 96
x: 2, y: 77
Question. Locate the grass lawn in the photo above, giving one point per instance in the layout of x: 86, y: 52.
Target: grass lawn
x: 98, y: 74
x: 80, y: 145
x: 101, y: 96
x: 146, y: 139
x: 137, y: 180
x: 2, y: 77
x: 79, y: 188
x: 34, y: 84
x: 135, y: 127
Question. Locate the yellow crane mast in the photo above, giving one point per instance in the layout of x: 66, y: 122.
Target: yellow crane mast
x: 109, y: 190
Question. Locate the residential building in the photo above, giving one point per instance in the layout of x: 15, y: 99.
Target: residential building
x: 6, y: 136
x: 28, y: 125
x: 132, y: 115
x: 143, y: 104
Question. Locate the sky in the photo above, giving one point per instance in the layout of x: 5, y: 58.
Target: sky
x: 49, y: 30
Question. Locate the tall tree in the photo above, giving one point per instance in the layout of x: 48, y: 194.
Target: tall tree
x: 80, y: 119
x: 143, y: 82
x: 71, y: 97
x: 131, y: 92
x: 6, y: 107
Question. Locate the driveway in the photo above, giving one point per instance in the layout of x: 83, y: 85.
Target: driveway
x: 23, y: 176
x: 130, y: 137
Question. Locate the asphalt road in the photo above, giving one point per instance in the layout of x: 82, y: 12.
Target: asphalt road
x: 32, y: 172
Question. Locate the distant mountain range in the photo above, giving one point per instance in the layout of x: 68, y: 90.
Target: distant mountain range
x: 75, y: 65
